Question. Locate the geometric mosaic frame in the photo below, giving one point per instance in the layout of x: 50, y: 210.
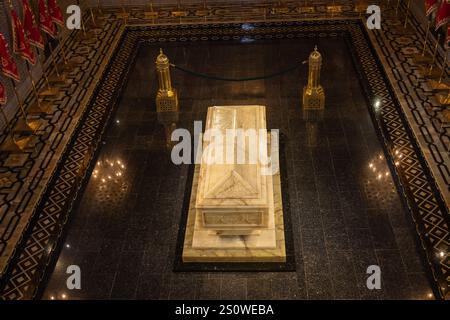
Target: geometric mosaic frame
x: 37, y: 251
x: 412, y: 175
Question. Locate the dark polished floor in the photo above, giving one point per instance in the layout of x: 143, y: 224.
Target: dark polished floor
x: 345, y: 211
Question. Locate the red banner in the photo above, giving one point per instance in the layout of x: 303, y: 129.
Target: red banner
x: 21, y: 45
x: 31, y: 28
x: 431, y: 6
x: 3, y: 96
x: 8, y: 65
x: 443, y: 14
x: 45, y: 20
x: 55, y: 12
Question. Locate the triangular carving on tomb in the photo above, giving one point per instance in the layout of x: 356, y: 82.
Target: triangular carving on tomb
x: 232, y: 185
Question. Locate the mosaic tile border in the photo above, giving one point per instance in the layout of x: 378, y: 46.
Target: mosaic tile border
x: 413, y: 177
x: 412, y: 168
x: 27, y: 175
x: 47, y: 220
x: 395, y: 49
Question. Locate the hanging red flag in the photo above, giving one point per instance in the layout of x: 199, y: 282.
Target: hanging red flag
x: 431, y: 6
x: 45, y: 20
x: 55, y: 12
x: 3, y: 97
x: 8, y: 65
x: 21, y: 45
x: 31, y: 28
x: 443, y: 14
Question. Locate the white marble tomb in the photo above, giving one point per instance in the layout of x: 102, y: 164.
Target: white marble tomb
x: 235, y: 212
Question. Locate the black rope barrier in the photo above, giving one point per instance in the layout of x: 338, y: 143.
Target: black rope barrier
x: 212, y: 77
